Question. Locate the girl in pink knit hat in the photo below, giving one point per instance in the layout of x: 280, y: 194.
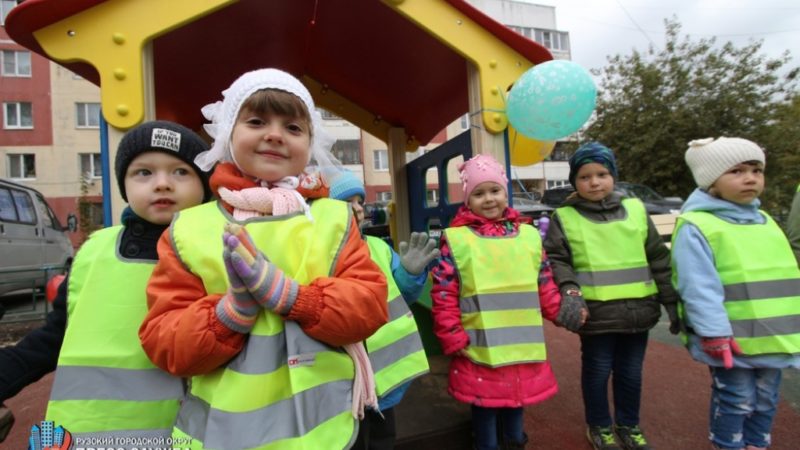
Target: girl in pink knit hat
x: 491, y: 289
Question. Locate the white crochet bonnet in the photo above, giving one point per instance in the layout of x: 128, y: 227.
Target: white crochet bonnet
x: 222, y: 115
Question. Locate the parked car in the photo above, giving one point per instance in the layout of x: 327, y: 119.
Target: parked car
x: 531, y: 208
x: 32, y: 241
x: 555, y: 197
x: 654, y: 203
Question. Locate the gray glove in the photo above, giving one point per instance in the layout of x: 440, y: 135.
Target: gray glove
x: 570, y: 313
x: 674, y: 321
x: 416, y: 254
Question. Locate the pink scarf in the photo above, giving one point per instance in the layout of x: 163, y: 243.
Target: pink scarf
x: 364, y: 384
x: 281, y: 199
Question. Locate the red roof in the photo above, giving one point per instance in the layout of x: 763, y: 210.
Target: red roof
x: 362, y: 49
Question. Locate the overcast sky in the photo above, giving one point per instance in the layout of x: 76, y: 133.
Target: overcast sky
x: 608, y: 27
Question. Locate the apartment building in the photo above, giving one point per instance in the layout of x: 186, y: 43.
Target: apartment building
x: 49, y: 137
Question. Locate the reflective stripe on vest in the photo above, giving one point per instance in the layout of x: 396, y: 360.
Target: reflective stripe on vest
x: 284, y: 389
x: 609, y: 257
x: 761, y: 280
x: 395, y: 350
x: 500, y: 302
x: 105, y: 386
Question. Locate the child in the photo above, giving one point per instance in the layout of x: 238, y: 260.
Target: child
x: 105, y: 387
x: 606, y: 251
x: 793, y: 225
x: 740, y: 287
x: 395, y: 351
x: 253, y: 294
x: 490, y: 290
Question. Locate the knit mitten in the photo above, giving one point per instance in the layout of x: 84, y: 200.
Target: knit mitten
x: 237, y: 309
x: 569, y: 314
x: 417, y: 253
x: 263, y: 280
x: 721, y: 348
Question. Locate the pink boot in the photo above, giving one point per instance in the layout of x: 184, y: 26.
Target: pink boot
x: 751, y: 447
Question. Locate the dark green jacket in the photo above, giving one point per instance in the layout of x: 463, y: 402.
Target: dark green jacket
x: 617, y: 316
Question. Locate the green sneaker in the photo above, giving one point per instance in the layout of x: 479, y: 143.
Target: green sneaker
x: 602, y: 438
x: 631, y: 438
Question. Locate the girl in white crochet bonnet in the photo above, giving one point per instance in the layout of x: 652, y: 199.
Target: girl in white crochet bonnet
x: 267, y: 126
x: 277, y: 292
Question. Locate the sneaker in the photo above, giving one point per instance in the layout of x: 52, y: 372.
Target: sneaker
x: 631, y: 438
x: 602, y: 438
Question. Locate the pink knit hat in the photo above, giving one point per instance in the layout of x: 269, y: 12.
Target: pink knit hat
x: 479, y: 169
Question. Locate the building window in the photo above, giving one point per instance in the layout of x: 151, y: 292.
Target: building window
x: 327, y: 115
x: 432, y: 196
x: 465, y: 122
x: 380, y: 160
x: 88, y: 115
x: 91, y: 166
x: 384, y: 196
x: 5, y: 8
x: 16, y: 64
x: 552, y: 184
x: 348, y: 151
x: 22, y: 166
x: 553, y: 40
x: 17, y: 115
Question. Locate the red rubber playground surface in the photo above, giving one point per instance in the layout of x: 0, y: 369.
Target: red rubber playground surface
x: 674, y: 402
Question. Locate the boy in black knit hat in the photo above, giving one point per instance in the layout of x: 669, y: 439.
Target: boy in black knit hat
x: 105, y: 385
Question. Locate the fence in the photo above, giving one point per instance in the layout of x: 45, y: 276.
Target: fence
x: 17, y: 283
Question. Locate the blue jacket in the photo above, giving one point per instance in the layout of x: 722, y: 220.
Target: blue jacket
x: 700, y: 286
x: 410, y: 287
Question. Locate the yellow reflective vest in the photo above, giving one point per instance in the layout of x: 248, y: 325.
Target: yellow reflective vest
x: 499, y: 303
x: 284, y: 389
x: 395, y: 350
x: 760, y: 278
x: 105, y: 386
x: 609, y: 258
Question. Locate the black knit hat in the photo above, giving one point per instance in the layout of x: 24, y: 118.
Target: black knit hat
x: 160, y: 136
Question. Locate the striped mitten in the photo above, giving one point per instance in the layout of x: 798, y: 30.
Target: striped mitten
x: 264, y: 281
x: 237, y: 309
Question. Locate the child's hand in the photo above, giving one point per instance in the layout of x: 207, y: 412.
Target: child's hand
x: 573, y: 312
x: 264, y: 281
x: 237, y: 309
x: 721, y: 348
x: 674, y: 320
x: 416, y: 254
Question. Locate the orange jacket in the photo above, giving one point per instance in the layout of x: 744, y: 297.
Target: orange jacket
x: 182, y: 334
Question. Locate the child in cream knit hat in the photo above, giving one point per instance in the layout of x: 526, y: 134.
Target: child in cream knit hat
x: 739, y: 284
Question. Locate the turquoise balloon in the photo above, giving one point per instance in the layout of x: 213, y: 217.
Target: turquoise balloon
x: 551, y: 100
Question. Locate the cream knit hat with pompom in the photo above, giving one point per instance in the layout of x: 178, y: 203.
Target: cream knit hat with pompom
x: 709, y: 158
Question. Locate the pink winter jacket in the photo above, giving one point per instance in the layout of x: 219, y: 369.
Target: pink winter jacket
x: 509, y: 386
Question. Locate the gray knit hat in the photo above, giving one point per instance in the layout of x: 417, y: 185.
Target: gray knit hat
x: 708, y: 158
x: 165, y: 137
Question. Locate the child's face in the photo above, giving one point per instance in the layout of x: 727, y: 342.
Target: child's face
x: 594, y: 182
x: 741, y: 184
x: 488, y: 199
x: 159, y: 185
x: 270, y: 146
x: 357, y: 203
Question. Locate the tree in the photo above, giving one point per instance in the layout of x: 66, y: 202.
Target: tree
x: 651, y: 104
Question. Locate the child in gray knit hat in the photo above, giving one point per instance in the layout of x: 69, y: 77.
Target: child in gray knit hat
x: 740, y: 289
